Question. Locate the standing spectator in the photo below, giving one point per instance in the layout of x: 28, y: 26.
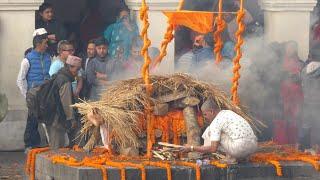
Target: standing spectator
x: 91, y: 53
x: 66, y: 49
x: 308, y: 136
x: 56, y: 31
x: 65, y: 117
x: 33, y: 72
x: 122, y: 33
x: 291, y: 90
x: 201, y: 53
x: 99, y: 69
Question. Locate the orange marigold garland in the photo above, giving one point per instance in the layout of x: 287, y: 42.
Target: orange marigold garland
x: 236, y: 60
x: 193, y: 165
x: 120, y: 166
x: 218, y: 164
x: 31, y: 161
x: 277, y: 166
x: 167, y: 166
x: 168, y: 37
x: 220, y: 26
x: 146, y: 72
x: 138, y: 166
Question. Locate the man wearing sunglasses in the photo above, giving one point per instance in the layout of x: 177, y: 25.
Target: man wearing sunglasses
x: 65, y: 49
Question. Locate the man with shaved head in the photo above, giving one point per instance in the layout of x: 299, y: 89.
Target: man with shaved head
x: 227, y: 132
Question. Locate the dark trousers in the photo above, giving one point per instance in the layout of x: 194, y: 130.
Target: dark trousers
x: 31, y: 133
x: 309, y: 130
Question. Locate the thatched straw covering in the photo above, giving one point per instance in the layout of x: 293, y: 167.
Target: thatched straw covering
x: 123, y: 103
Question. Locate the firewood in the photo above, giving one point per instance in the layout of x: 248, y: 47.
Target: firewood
x: 192, y: 129
x: 158, y: 155
x: 171, y: 97
x: 169, y: 145
x: 160, y: 109
x: 191, y: 101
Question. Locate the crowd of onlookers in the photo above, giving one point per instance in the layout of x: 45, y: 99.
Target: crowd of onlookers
x: 73, y: 74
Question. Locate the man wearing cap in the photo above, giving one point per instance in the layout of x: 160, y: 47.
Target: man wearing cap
x: 33, y: 72
x: 99, y: 69
x: 309, y: 138
x: 227, y: 132
x: 64, y: 121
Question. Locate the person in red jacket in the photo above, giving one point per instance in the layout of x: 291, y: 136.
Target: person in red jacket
x: 291, y: 90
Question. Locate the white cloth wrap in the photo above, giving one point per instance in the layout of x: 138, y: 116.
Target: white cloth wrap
x: 238, y: 148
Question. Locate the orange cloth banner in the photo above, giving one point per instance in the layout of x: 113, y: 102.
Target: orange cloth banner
x: 200, y: 21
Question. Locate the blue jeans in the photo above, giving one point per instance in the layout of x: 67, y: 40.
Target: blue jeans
x: 31, y: 133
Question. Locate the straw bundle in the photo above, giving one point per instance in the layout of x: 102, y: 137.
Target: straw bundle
x: 122, y: 104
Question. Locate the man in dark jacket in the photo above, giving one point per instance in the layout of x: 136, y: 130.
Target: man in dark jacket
x: 308, y: 136
x: 56, y: 31
x: 65, y: 119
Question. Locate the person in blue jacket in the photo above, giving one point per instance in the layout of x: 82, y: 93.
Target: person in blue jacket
x: 33, y: 72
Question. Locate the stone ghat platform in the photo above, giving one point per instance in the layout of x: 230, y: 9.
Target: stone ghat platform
x: 46, y: 170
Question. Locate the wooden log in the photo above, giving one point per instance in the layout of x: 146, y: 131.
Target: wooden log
x: 192, y: 129
x: 161, y: 109
x: 171, y: 97
x: 191, y: 101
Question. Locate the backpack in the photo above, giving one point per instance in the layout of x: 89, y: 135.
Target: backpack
x: 42, y: 103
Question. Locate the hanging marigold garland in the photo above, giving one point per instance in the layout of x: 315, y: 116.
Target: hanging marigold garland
x: 168, y: 37
x: 236, y: 60
x: 31, y: 161
x: 193, y: 165
x: 120, y: 166
x: 146, y: 72
x: 167, y: 166
x: 138, y: 166
x: 220, y: 26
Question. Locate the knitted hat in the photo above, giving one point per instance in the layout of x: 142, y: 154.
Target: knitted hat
x: 74, y: 61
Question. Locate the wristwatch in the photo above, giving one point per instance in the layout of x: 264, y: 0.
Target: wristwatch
x: 191, y: 148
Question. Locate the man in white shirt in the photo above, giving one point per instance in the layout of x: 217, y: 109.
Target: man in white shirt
x: 33, y: 72
x: 227, y: 132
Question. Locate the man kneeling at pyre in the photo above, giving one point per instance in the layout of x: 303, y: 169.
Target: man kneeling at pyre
x: 228, y: 132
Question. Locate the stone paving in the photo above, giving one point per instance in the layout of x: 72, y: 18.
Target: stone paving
x: 11, y: 165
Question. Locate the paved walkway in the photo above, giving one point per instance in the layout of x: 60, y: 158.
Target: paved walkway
x: 11, y: 165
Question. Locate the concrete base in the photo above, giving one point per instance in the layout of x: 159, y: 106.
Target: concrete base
x: 12, y: 130
x: 45, y: 169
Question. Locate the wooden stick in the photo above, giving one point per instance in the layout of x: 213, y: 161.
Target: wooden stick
x: 169, y: 145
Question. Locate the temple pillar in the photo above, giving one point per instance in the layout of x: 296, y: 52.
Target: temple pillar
x: 288, y: 20
x: 17, y: 22
x: 158, y: 26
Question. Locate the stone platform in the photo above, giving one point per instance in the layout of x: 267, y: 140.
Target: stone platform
x: 46, y: 170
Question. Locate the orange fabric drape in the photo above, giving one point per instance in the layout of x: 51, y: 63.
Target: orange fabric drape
x: 199, y: 21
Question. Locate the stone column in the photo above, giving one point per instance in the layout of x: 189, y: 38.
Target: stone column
x: 288, y: 20
x: 17, y: 18
x: 158, y: 25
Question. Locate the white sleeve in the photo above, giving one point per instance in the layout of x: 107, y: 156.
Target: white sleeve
x: 215, y: 127
x: 22, y: 77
